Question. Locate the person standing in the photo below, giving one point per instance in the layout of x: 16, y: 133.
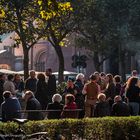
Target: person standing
x: 133, y: 94
x: 41, y: 93
x: 91, y: 91
x: 19, y: 87
x: 51, y: 83
x: 2, y: 80
x: 30, y: 83
x: 18, y: 82
x: 110, y: 89
x: 79, y: 97
x: 9, y: 85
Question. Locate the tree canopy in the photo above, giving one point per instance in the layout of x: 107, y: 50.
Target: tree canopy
x: 36, y: 19
x: 108, y: 27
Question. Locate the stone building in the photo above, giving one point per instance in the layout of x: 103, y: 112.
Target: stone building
x: 41, y: 56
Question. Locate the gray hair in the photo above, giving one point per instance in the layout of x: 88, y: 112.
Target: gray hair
x: 80, y: 76
x: 57, y: 98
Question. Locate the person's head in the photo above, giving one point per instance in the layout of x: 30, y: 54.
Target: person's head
x: 117, y: 78
x: 80, y: 77
x: 28, y: 94
x: 97, y: 74
x: 2, y: 76
x: 57, y: 98
x: 41, y: 77
x: 7, y: 94
x: 117, y: 98
x: 134, y: 73
x: 70, y: 82
x: 93, y: 77
x: 102, y: 74
x: 17, y: 77
x: 32, y: 74
x: 48, y: 71
x: 101, y: 97
x: 109, y: 78
x: 10, y: 77
x: 69, y: 98
x: 132, y: 82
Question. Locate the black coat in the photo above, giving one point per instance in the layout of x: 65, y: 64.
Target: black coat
x: 120, y: 109
x: 51, y: 85
x: 102, y: 109
x: 1, y: 90
x: 54, y: 114
x: 42, y: 93
x: 33, y: 104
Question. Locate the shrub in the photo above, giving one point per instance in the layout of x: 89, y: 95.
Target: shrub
x: 107, y: 128
x: 60, y: 88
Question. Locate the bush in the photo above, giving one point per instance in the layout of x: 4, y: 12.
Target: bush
x: 107, y: 128
x: 60, y: 88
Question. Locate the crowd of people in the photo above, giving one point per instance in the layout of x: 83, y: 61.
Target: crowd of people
x: 101, y: 95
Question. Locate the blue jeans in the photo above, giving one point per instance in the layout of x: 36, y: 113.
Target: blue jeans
x: 135, y: 108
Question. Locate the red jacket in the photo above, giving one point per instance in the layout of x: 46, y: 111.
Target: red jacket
x: 69, y: 112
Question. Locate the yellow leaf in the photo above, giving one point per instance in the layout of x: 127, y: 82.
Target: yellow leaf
x: 2, y: 13
x: 39, y: 2
x: 62, y: 44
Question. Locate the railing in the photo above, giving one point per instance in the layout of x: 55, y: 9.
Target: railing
x: 67, y: 110
x: 66, y: 113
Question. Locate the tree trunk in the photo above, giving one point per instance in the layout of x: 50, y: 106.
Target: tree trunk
x: 122, y: 63
x: 133, y: 63
x: 24, y: 44
x: 26, y: 63
x: 61, y: 63
x: 96, y: 61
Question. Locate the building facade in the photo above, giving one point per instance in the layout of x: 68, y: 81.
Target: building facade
x: 42, y: 56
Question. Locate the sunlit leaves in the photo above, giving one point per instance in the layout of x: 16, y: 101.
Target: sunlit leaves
x: 61, y: 43
x: 50, y: 9
x: 2, y: 13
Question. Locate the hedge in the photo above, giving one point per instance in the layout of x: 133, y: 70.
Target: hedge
x: 107, y: 128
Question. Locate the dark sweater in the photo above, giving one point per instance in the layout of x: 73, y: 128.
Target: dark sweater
x: 120, y: 109
x: 102, y: 109
x: 54, y: 114
x: 10, y: 108
x: 133, y: 94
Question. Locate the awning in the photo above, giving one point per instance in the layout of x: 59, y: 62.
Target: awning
x: 66, y: 73
x: 2, y: 51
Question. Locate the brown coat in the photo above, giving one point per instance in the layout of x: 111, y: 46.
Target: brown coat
x: 92, y: 90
